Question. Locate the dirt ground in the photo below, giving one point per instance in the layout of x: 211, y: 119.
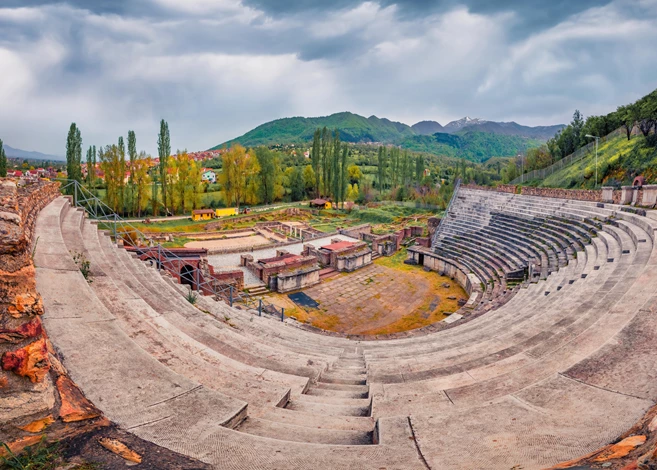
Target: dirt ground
x: 378, y: 299
x: 241, y: 242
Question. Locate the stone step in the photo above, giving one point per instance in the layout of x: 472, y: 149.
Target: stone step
x: 309, y: 420
x: 329, y: 409
x: 333, y: 400
x: 322, y: 392
x: 343, y: 387
x: 296, y: 433
x: 328, y: 377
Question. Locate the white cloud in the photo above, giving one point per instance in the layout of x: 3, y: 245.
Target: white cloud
x: 215, y: 69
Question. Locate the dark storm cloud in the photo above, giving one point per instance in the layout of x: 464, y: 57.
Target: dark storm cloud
x: 215, y: 69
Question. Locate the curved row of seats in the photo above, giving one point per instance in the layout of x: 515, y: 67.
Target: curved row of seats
x: 545, y: 375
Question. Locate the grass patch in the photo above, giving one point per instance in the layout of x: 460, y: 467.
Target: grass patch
x: 41, y: 456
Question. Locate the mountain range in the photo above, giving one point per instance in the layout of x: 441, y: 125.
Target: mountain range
x: 474, y: 139
x: 29, y: 155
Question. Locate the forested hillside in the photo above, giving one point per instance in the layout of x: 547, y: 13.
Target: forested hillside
x: 472, y: 139
x: 622, y: 157
x: 473, y: 146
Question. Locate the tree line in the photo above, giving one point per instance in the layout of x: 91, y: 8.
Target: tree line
x: 641, y: 115
x: 174, y: 183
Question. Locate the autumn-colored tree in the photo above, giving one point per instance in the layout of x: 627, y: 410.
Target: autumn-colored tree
x: 112, y: 166
x: 237, y: 176
x: 141, y: 179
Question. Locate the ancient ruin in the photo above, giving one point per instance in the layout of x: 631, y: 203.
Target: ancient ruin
x: 553, y: 368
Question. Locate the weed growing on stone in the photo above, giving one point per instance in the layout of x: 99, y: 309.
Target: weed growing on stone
x: 191, y: 297
x: 84, y: 265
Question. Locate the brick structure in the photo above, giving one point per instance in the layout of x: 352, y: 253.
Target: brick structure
x: 284, y: 272
x: 344, y: 256
x: 190, y: 266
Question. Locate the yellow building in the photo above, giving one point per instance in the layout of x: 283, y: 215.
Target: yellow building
x: 226, y: 211
x: 203, y: 214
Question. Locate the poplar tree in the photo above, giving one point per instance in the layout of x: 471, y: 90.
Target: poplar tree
x: 326, y: 151
x: 316, y: 158
x: 334, y: 173
x: 344, y: 174
x: 121, y: 174
x: 163, y: 151
x: 90, y: 167
x: 3, y: 161
x: 132, y: 153
x: 74, y: 155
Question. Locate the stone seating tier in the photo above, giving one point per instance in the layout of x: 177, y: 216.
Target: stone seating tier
x: 538, y: 375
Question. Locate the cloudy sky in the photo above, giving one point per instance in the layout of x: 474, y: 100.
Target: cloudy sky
x: 216, y: 68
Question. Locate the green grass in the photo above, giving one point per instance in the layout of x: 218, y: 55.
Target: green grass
x: 581, y: 174
x: 41, y: 456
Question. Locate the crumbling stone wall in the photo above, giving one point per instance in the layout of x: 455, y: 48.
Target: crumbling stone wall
x: 593, y: 195
x: 35, y: 391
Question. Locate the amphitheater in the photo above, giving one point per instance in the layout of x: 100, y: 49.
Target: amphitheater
x: 534, y: 374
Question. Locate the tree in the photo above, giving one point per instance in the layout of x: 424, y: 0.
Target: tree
x: 419, y: 169
x: 310, y: 180
x: 297, y: 184
x: 141, y: 180
x: 354, y: 173
x: 238, y: 171
x: 121, y: 175
x: 3, y: 160
x: 382, y: 168
x: 316, y: 158
x: 74, y: 155
x: 326, y: 158
x: 110, y: 163
x: 132, y: 154
x: 90, y: 167
x: 343, y: 177
x: 335, y: 174
x: 270, y: 174
x: 163, y: 152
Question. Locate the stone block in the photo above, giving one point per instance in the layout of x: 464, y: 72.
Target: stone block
x: 627, y: 194
x: 649, y: 196
x: 608, y: 194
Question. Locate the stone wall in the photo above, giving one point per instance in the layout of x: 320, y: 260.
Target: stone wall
x: 36, y: 393
x: 592, y: 195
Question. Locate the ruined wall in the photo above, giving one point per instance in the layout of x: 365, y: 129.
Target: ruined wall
x: 35, y: 391
x: 592, y: 195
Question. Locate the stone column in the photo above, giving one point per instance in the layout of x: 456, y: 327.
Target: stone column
x: 608, y: 194
x: 649, y: 195
x: 627, y: 194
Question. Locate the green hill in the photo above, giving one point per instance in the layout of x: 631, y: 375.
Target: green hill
x: 619, y: 162
x: 353, y: 128
x: 473, y: 145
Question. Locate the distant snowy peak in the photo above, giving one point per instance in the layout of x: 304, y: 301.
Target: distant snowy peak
x: 463, y: 122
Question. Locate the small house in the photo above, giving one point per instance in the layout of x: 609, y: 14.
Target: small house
x: 320, y: 203
x: 209, y: 176
x: 203, y: 214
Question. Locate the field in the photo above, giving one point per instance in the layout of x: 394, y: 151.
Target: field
x: 383, y: 298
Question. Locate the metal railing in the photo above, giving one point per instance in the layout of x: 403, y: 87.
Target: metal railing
x: 568, y: 160
x: 166, y: 259
x: 457, y: 185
